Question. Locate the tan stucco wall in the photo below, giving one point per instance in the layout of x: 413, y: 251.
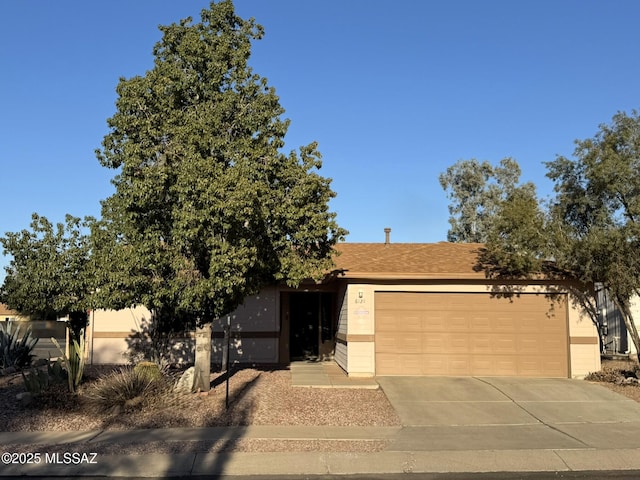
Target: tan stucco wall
x: 259, y: 315
x: 360, y: 330
x: 584, y: 354
x: 108, y: 331
x: 584, y: 357
x: 254, y: 330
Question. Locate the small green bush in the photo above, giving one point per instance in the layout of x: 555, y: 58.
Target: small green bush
x: 16, y: 350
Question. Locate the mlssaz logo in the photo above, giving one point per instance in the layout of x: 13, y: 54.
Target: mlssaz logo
x: 71, y: 458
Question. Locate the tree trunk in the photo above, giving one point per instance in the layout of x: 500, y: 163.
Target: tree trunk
x: 203, y: 358
x: 629, y: 322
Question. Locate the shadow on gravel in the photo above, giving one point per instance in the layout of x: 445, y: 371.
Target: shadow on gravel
x: 240, y: 408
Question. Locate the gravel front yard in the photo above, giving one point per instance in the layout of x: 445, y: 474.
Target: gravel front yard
x: 257, y: 397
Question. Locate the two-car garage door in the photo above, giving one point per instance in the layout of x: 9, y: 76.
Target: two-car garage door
x: 470, y: 334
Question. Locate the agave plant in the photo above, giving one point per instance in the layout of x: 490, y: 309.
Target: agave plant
x: 16, y: 350
x: 74, y: 363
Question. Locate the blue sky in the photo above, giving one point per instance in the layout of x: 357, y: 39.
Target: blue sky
x: 394, y: 92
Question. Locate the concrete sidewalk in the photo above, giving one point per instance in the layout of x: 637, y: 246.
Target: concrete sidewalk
x: 465, y: 457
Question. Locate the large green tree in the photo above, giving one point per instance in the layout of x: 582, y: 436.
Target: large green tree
x: 596, y: 212
x: 476, y: 190
x: 589, y: 232
x: 207, y: 207
x: 50, y: 271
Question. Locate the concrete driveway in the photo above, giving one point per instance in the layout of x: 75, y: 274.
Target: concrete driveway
x: 498, y: 413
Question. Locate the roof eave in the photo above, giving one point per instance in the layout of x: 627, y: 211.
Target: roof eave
x: 412, y: 276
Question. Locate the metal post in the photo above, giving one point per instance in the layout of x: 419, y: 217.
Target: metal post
x: 227, y: 334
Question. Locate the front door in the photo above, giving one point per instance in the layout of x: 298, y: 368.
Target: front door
x: 311, y: 325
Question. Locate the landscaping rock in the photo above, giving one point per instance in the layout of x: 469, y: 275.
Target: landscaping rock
x: 115, y: 410
x: 25, y: 398
x: 187, y: 381
x: 133, y: 403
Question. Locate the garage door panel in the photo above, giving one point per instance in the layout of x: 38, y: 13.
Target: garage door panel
x: 459, y: 364
x: 480, y: 323
x: 435, y: 342
x: 470, y: 334
x: 391, y: 342
x: 410, y: 322
x: 436, y: 322
x: 458, y: 344
x: 458, y: 323
x: 481, y: 344
x: 504, y: 323
x: 386, y: 321
x: 409, y: 363
x: 504, y: 344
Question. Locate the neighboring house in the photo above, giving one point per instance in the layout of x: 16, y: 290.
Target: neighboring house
x: 399, y: 309
x: 8, y: 315
x: 614, y: 336
x: 43, y: 330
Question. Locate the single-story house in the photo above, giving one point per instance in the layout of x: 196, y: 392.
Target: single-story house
x: 8, y: 315
x: 398, y: 309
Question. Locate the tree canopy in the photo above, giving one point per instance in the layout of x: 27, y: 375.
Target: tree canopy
x: 596, y: 211
x: 207, y: 207
x: 588, y: 231
x: 476, y: 190
x: 50, y: 272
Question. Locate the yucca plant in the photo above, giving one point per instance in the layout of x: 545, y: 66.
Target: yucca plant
x: 16, y: 350
x: 74, y: 363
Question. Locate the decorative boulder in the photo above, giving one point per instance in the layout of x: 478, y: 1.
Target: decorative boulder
x: 187, y: 381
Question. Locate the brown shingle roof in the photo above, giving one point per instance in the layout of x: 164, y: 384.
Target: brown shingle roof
x: 409, y: 260
x: 5, y: 311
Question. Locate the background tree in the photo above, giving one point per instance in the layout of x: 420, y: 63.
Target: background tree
x: 50, y: 272
x: 517, y: 239
x: 207, y: 208
x: 596, y: 211
x: 476, y: 190
x: 588, y: 232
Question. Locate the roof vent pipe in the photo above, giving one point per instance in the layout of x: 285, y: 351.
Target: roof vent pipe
x: 387, y: 231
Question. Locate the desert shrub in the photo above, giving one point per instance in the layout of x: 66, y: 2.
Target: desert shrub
x: 613, y: 375
x: 605, y: 375
x: 16, y: 350
x: 124, y: 389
